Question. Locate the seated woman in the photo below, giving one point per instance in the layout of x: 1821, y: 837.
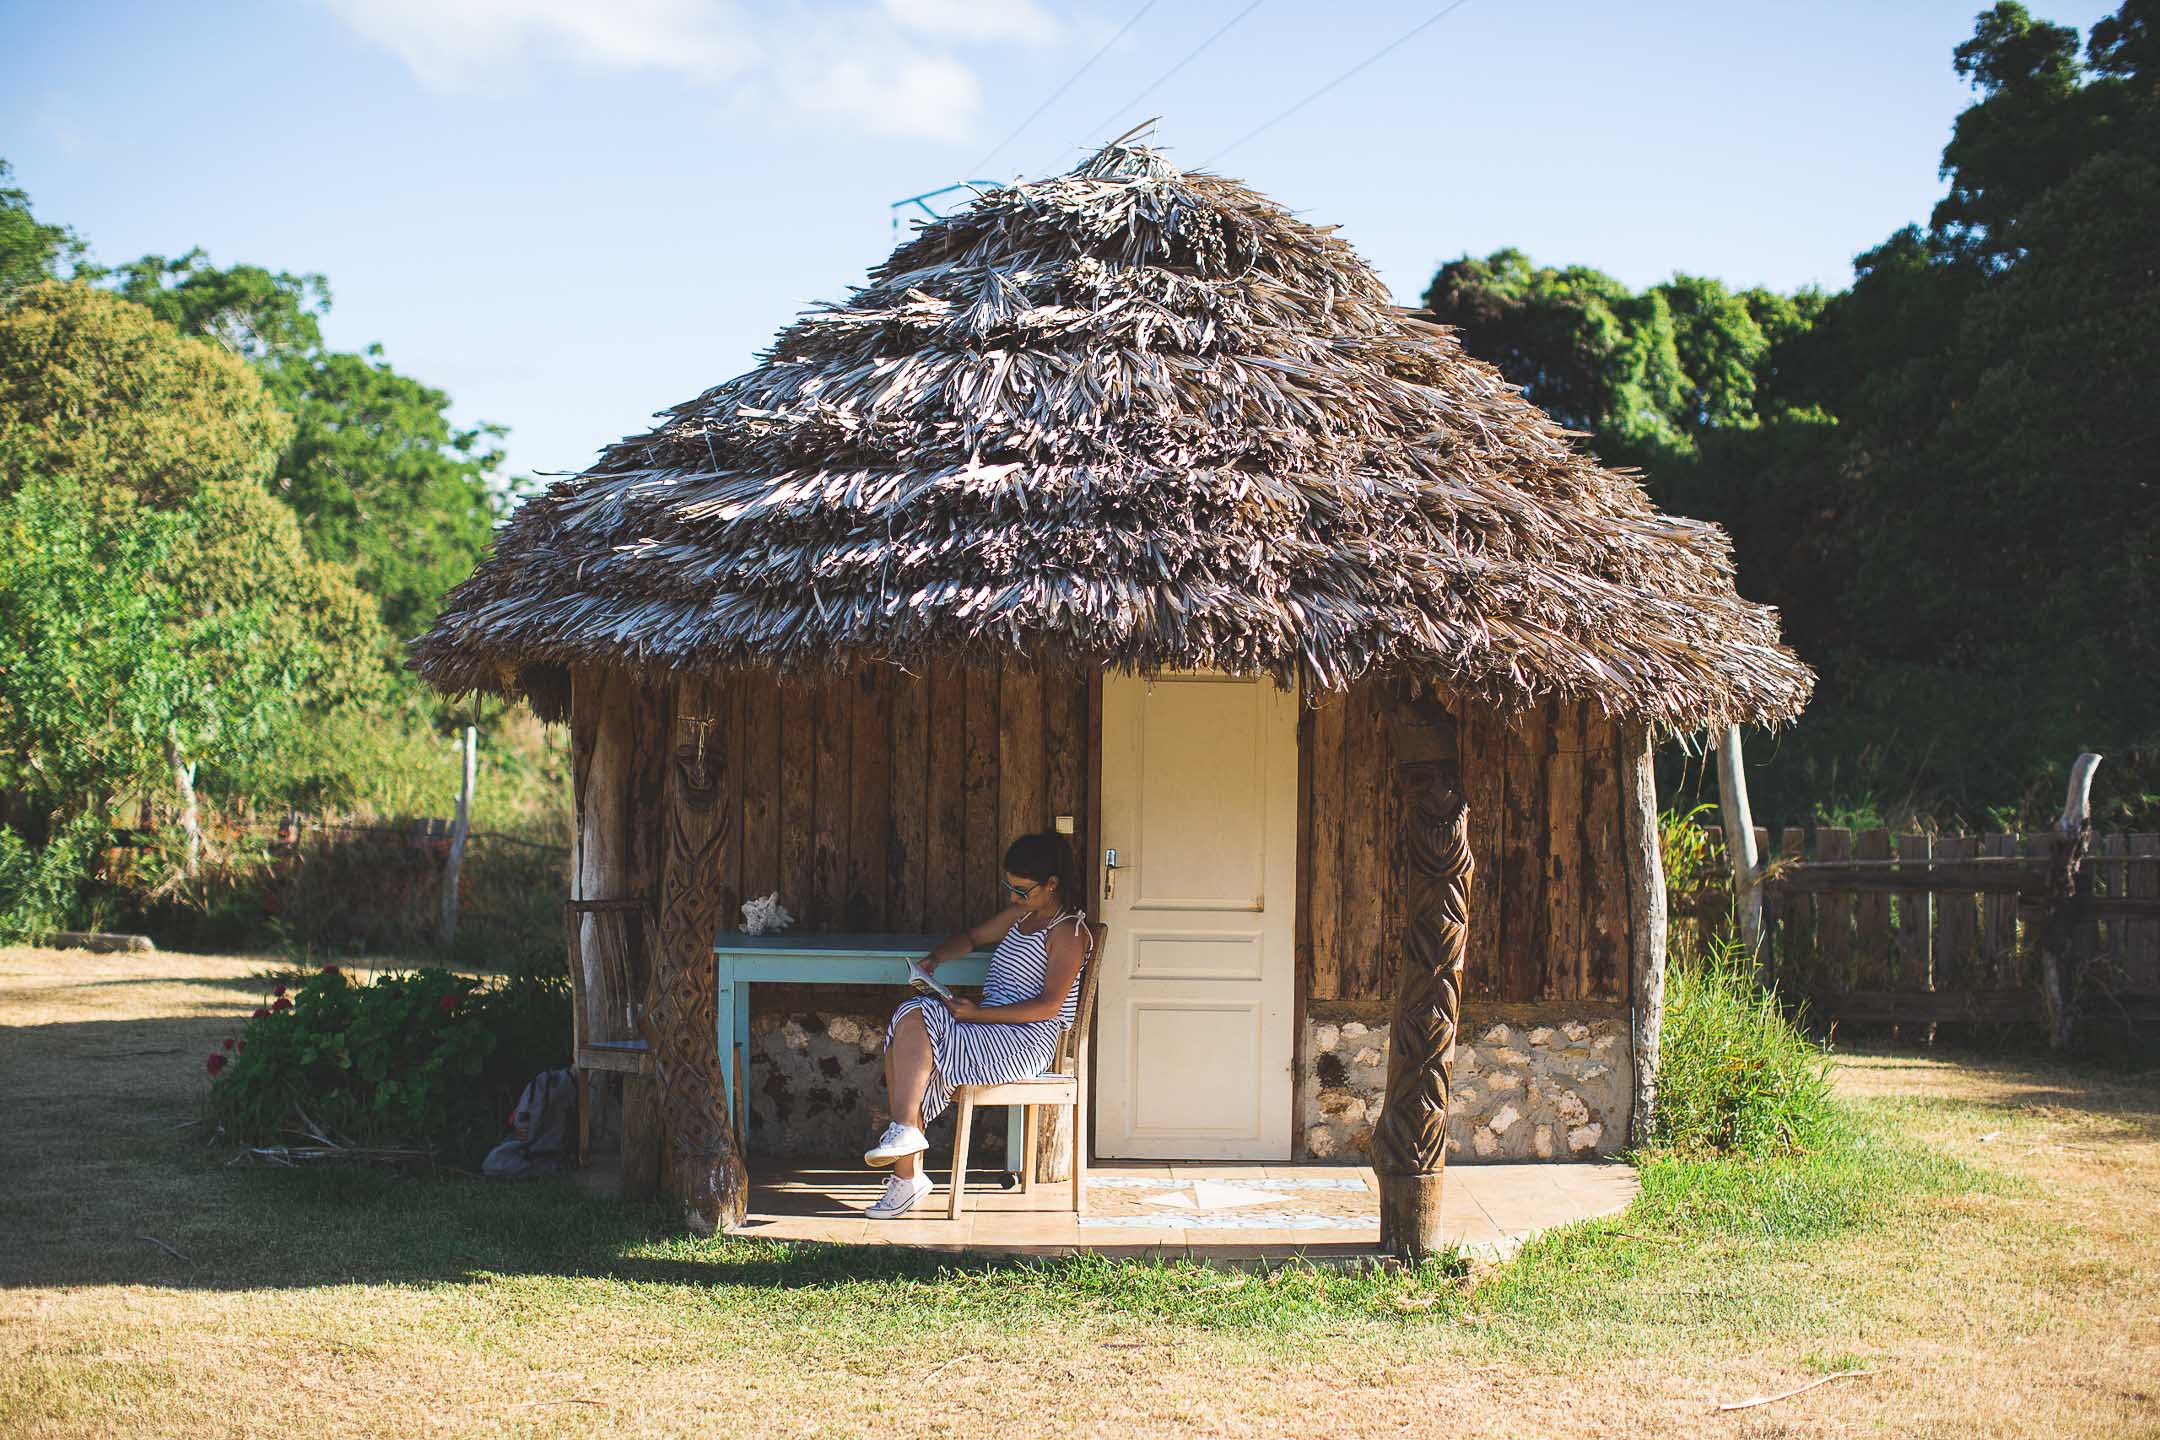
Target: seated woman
x: 1032, y: 990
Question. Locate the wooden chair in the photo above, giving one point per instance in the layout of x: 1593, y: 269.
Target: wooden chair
x: 625, y: 1047
x: 1063, y: 1086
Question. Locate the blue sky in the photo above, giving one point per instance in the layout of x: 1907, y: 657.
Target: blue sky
x: 572, y: 213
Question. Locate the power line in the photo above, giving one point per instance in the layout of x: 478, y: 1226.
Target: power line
x: 1190, y: 55
x: 1427, y: 23
x: 1038, y: 110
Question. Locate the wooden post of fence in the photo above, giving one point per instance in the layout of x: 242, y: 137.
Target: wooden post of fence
x: 1916, y: 928
x: 1796, y: 920
x: 1740, y: 852
x: 1833, y: 921
x: 2068, y: 938
x: 468, y: 744
x: 2141, y: 954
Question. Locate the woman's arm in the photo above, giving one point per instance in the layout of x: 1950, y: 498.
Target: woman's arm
x: 960, y: 942
x: 1067, y: 953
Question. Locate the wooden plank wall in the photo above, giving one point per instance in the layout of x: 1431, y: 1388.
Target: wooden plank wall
x: 1549, y: 916
x: 877, y: 800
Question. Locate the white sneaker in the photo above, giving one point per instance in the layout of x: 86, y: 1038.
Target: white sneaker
x: 900, y: 1196
x: 898, y: 1140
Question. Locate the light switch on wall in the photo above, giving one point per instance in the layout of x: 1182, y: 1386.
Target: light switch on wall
x: 1063, y: 824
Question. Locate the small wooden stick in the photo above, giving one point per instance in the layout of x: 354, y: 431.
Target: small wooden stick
x: 166, y: 1248
x: 1787, y: 1395
x: 942, y: 1368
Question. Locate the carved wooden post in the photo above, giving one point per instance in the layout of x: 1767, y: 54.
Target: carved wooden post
x: 705, y: 1169
x: 1646, y: 919
x: 1433, y: 860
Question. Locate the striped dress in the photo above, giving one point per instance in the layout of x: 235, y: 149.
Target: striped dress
x: 990, y: 1052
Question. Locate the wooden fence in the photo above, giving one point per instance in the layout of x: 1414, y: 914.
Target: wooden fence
x: 1875, y: 926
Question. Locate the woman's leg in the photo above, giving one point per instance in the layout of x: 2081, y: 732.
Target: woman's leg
x: 908, y: 1062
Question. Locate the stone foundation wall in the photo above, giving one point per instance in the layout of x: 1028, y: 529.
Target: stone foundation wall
x: 817, y: 1087
x: 1532, y: 1082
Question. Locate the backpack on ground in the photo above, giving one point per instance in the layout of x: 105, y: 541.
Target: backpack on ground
x: 542, y: 1130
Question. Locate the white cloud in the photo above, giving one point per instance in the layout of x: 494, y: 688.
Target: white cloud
x: 882, y: 66
x: 469, y: 44
x: 976, y: 20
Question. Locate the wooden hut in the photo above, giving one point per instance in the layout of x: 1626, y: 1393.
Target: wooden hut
x: 1126, y: 503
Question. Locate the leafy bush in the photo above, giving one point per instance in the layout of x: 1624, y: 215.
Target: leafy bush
x: 38, y: 886
x: 1735, y: 1074
x: 426, y: 1058
x: 1690, y: 848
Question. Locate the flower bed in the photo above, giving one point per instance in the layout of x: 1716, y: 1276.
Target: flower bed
x: 423, y: 1058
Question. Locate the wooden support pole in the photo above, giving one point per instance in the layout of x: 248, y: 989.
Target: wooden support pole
x: 651, y: 717
x: 602, y: 745
x: 183, y: 778
x: 2068, y: 936
x: 468, y: 744
x: 1646, y: 920
x: 705, y: 1170
x: 1433, y: 864
x: 1740, y: 840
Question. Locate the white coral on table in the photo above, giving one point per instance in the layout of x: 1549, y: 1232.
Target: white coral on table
x: 765, y: 914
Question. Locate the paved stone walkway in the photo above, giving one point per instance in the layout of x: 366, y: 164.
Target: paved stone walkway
x: 1200, y: 1211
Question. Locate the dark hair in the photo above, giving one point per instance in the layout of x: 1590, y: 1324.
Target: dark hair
x: 1045, y: 856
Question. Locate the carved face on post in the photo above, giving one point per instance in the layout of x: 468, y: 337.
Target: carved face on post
x: 691, y: 759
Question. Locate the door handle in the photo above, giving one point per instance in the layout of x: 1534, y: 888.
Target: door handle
x: 1110, y: 869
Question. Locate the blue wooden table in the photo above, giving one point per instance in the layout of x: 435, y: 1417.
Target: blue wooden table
x: 746, y: 960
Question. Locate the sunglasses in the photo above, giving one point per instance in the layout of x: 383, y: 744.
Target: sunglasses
x: 1021, y: 892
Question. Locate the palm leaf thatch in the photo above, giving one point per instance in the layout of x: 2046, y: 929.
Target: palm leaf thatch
x: 1135, y: 416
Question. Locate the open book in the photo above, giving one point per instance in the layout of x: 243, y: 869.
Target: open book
x: 925, y: 982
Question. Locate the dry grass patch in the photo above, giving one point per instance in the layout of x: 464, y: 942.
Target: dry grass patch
x: 1980, y: 1240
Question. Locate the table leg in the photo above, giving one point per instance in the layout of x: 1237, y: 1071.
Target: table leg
x: 724, y: 1030
x: 1016, y: 1156
x: 742, y: 1039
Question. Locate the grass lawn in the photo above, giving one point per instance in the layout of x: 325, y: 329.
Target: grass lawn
x: 1981, y: 1237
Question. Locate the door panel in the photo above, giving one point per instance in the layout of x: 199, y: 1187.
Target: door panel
x: 1199, y: 795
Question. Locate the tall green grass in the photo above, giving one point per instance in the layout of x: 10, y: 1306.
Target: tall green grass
x: 1736, y: 1075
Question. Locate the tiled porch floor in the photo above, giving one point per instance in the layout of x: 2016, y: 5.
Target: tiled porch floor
x: 1196, y: 1211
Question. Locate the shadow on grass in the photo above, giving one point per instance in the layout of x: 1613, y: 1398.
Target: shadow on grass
x: 2078, y: 1084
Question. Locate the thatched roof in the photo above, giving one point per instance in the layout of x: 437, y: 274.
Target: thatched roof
x: 1135, y: 415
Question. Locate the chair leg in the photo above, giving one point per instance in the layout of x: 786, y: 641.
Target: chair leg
x: 966, y: 1123
x: 1030, y: 1131
x: 1079, y: 1165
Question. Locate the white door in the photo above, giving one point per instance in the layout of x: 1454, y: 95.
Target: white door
x: 1199, y: 800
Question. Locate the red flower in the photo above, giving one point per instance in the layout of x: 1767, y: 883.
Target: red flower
x: 216, y: 1062
x: 333, y: 972
x: 259, y: 1013
x: 282, y: 1005
x: 279, y: 991
x: 448, y: 1004
x: 228, y: 1042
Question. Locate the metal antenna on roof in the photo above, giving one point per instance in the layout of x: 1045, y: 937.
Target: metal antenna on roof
x: 922, y: 201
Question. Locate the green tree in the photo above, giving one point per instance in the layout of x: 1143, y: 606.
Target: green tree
x: 133, y: 459
x: 1944, y: 475
x: 1595, y: 356
x: 29, y: 250
x: 378, y: 474
x: 109, y: 661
